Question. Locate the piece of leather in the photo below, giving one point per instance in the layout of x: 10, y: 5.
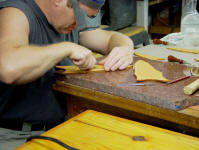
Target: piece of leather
x: 145, y: 72
x: 148, y: 56
x: 75, y: 69
x: 183, y: 50
x: 196, y: 59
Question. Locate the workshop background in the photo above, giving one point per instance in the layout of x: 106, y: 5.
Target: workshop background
x: 163, y: 18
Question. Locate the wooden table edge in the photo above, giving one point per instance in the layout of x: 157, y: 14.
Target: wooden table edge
x: 188, y: 117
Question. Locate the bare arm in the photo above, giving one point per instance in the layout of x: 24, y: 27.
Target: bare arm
x: 117, y: 45
x: 21, y: 63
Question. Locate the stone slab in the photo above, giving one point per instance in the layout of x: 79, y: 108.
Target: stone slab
x: 162, y: 95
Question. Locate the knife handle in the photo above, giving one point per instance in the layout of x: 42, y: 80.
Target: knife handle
x: 174, y: 59
x: 158, y: 41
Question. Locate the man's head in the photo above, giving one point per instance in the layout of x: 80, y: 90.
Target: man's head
x: 67, y: 15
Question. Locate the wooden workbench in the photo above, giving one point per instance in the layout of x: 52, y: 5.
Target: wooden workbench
x: 98, y: 131
x: 82, y: 95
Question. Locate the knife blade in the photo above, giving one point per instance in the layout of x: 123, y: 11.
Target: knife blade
x: 136, y: 84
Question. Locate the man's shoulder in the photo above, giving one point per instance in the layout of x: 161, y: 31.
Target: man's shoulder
x: 22, y: 5
x: 13, y: 3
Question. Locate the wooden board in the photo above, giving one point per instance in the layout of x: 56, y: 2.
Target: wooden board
x: 80, y: 99
x: 93, y: 130
x: 162, y: 95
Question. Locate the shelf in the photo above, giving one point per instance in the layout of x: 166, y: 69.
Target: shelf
x: 154, y: 2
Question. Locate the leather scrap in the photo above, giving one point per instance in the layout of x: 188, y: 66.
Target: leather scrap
x: 183, y: 50
x: 148, y: 56
x: 145, y: 72
x: 76, y: 70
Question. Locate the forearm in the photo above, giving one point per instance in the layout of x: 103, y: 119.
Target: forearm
x: 103, y: 41
x: 119, y: 40
x: 27, y: 63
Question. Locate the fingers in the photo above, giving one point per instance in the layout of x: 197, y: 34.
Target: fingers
x: 111, y: 62
x: 119, y: 58
x: 118, y: 64
x: 86, y: 62
x: 121, y: 64
x: 124, y: 65
x: 82, y: 57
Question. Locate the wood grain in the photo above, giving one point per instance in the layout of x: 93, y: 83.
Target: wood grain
x: 97, y: 131
x: 187, y: 117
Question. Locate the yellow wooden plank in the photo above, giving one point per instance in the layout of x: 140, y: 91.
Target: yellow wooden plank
x: 181, y: 118
x: 104, y: 26
x: 130, y: 31
x: 148, y: 56
x: 162, y: 30
x: 192, y: 111
x: 195, y: 108
x: 97, y: 131
x: 196, y: 59
x: 183, y: 50
x: 75, y: 69
x: 97, y: 55
x: 154, y: 2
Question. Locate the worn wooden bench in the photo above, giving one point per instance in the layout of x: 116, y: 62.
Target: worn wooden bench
x: 93, y: 130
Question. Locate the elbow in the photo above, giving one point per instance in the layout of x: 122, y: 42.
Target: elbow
x: 8, y: 75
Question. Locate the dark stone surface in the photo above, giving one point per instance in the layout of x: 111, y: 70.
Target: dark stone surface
x: 162, y: 95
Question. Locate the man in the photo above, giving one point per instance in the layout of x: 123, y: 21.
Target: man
x: 32, y: 43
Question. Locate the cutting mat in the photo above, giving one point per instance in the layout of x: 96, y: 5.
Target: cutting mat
x: 161, y: 94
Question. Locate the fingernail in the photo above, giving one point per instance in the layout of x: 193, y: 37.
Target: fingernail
x: 113, y: 69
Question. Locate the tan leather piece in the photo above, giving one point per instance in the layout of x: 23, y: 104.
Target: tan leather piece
x: 196, y: 59
x: 97, y: 55
x: 148, y: 56
x: 145, y: 72
x: 75, y: 69
x: 183, y: 50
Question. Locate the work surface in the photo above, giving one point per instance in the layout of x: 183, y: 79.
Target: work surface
x: 161, y: 51
x: 161, y: 94
x: 97, y: 131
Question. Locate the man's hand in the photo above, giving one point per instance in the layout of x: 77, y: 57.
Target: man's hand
x: 82, y: 57
x: 119, y: 58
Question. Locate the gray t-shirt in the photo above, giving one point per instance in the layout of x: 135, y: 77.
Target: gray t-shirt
x: 34, y: 102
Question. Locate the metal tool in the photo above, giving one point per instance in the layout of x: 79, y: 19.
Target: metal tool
x: 135, y: 84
